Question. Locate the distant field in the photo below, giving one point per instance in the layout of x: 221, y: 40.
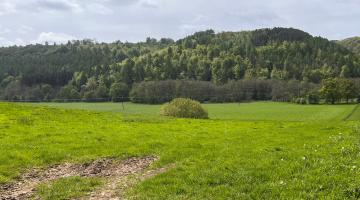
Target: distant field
x: 129, y: 108
x: 257, y: 111
x: 249, y: 151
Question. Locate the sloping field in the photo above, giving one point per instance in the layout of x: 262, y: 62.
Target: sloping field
x: 246, y: 151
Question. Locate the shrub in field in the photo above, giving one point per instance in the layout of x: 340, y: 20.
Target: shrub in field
x: 302, y: 101
x: 184, y: 108
x: 299, y: 100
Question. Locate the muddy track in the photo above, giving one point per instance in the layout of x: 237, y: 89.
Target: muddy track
x: 115, y: 185
x: 114, y: 171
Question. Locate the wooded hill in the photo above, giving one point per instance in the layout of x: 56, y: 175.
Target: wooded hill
x: 82, y: 69
x: 353, y: 44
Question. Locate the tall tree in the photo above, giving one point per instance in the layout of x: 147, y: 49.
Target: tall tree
x: 330, y: 90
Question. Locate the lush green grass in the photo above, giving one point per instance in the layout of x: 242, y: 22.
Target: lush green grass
x: 67, y: 188
x: 288, y: 155
x: 355, y: 114
x: 257, y: 111
x: 125, y: 108
x: 264, y: 111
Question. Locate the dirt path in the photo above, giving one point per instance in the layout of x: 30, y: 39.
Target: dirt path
x: 115, y: 172
x: 117, y: 183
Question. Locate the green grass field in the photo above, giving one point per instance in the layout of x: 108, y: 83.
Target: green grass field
x: 249, y: 151
x: 259, y: 111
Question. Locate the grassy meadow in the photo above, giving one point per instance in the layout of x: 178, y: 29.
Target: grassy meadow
x: 258, y: 111
x: 257, y: 150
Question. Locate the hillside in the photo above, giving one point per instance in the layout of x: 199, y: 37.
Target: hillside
x: 56, y: 64
x: 353, y: 44
x: 277, y: 53
x: 89, y: 67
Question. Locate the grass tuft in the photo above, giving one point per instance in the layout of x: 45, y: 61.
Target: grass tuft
x: 68, y: 188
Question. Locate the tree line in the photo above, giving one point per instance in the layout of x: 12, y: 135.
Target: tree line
x: 89, y: 70
x: 333, y: 90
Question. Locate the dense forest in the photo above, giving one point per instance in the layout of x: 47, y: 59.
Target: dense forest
x: 353, y: 44
x: 89, y: 70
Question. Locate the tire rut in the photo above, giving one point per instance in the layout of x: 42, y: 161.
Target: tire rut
x: 114, y: 171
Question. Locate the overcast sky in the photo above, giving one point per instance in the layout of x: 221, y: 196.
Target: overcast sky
x: 36, y: 21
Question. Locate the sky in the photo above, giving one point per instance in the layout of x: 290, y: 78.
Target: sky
x: 37, y: 21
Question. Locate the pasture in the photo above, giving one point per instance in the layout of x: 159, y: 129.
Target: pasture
x: 257, y: 150
x: 257, y: 111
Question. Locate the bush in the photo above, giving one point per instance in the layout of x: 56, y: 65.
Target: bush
x: 313, y: 98
x: 184, y: 108
x: 302, y: 101
x: 299, y: 100
x: 119, y: 92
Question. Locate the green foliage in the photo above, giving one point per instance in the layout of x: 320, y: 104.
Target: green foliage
x: 330, y: 90
x: 334, y: 90
x: 94, y: 90
x: 155, y: 92
x: 277, y: 54
x: 126, y: 71
x: 352, y: 44
x: 68, y: 92
x: 299, y: 100
x: 56, y: 64
x: 348, y: 90
x: 79, y: 79
x: 313, y: 98
x: 13, y: 90
x: 262, y: 37
x: 314, y: 76
x: 184, y: 108
x: 119, y: 92
x: 345, y: 72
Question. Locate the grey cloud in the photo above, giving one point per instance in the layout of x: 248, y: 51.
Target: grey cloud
x: 258, y: 17
x: 120, y: 2
x: 148, y: 4
x: 134, y: 20
x: 58, y: 5
x: 23, y: 29
x: 53, y: 38
x: 4, y: 30
x: 7, y: 7
x: 99, y: 9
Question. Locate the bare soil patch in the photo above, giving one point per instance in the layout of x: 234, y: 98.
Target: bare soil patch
x: 116, y: 185
x: 114, y: 171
